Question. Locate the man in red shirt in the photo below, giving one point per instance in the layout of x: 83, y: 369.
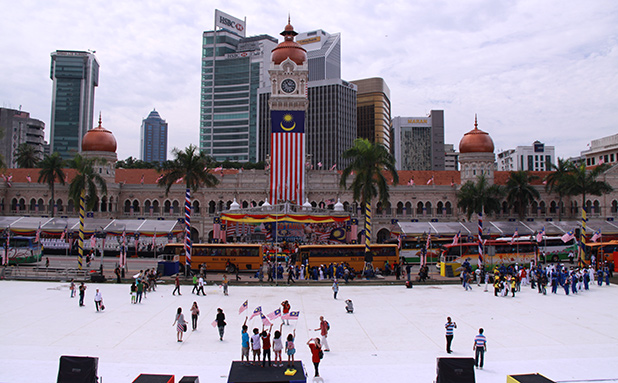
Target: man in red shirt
x: 324, y: 327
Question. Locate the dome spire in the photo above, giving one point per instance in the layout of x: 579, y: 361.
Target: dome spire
x: 100, y: 121
x: 476, y: 125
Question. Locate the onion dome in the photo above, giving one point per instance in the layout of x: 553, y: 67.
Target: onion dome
x: 338, y: 205
x: 307, y: 204
x: 289, y: 48
x: 235, y: 205
x: 99, y: 139
x: 266, y: 204
x: 476, y: 141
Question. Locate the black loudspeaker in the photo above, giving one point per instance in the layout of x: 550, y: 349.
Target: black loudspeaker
x: 78, y: 369
x: 190, y: 379
x: 455, y: 370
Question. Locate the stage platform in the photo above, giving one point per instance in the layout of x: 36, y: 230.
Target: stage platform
x: 240, y: 373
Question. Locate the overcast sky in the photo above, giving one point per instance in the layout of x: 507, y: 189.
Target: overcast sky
x: 531, y: 69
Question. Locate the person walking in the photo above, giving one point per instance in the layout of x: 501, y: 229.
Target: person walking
x: 220, y: 322
x: 480, y: 346
x: 225, y: 283
x: 177, y: 286
x: 200, y: 285
x: 195, y: 313
x: 181, y: 324
x: 335, y: 288
x: 72, y: 288
x: 324, y: 328
x: 449, y: 326
x: 316, y: 354
x: 139, y: 291
x: 98, y: 300
x: 82, y: 294
x: 194, y: 284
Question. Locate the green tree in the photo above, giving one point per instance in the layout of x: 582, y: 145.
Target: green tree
x: 584, y: 182
x: 557, y: 182
x: 519, y: 192
x: 52, y: 170
x: 192, y: 166
x: 26, y: 156
x: 480, y: 196
x: 86, y: 179
x: 371, y: 163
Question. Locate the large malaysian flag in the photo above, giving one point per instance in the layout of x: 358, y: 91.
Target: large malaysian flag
x: 287, y: 171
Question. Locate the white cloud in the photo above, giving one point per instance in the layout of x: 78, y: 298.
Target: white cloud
x: 531, y: 70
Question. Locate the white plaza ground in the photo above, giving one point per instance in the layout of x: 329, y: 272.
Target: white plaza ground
x: 394, y: 335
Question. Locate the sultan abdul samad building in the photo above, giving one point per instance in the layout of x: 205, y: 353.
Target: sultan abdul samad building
x: 424, y: 200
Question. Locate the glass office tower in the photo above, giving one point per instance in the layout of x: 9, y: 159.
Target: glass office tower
x: 153, y: 138
x: 75, y: 75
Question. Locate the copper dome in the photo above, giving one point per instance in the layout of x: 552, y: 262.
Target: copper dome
x: 289, y: 48
x: 476, y: 141
x: 99, y: 139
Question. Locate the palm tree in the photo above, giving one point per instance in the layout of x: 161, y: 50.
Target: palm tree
x: 52, y: 170
x: 583, y: 181
x: 478, y: 197
x: 519, y: 192
x: 26, y: 156
x: 190, y: 165
x: 369, y: 163
x: 86, y: 179
x: 556, y: 182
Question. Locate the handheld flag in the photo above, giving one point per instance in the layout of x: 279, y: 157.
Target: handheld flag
x: 38, y: 234
x: 265, y: 320
x: 274, y: 315
x: 540, y: 235
x: 292, y: 315
x: 596, y: 236
x: 214, y: 323
x: 568, y: 236
x: 243, y: 307
x: 256, y: 312
x: 515, y: 235
x: 456, y: 237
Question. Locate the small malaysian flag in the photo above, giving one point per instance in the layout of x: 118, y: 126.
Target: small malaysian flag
x: 159, y: 178
x: 540, y: 235
x: 292, y: 315
x: 569, y: 236
x: 38, y: 234
x: 274, y: 315
x: 265, y: 320
x: 64, y: 234
x: 142, y: 180
x: 93, y: 241
x: 515, y: 235
x: 243, y: 307
x: 430, y: 180
x: 214, y: 323
x: 256, y: 312
x: 456, y: 238
x: 28, y: 178
x: 596, y: 236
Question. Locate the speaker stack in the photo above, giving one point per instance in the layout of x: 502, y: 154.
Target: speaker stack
x: 78, y: 369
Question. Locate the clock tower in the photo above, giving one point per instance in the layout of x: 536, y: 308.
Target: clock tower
x: 288, y: 103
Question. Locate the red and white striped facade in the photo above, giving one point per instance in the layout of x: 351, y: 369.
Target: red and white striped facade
x: 287, y: 171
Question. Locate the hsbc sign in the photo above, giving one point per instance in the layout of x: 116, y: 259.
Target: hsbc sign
x: 223, y: 20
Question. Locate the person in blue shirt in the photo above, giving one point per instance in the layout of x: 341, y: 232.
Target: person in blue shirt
x: 586, y: 279
x: 607, y: 275
x: 244, y: 344
x: 574, y: 279
x: 600, y: 276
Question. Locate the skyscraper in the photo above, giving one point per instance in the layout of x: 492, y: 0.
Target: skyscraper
x: 330, y: 123
x: 153, y: 138
x: 19, y: 128
x: 373, y: 105
x: 233, y: 68
x: 419, y: 142
x: 75, y: 75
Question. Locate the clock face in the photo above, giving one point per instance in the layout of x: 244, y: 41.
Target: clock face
x: 288, y: 85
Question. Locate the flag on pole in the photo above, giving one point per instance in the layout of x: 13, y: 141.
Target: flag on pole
x: 256, y: 312
x: 411, y: 182
x: 188, y: 243
x: 64, y: 234
x: 274, y: 315
x: 399, y: 241
x: 265, y: 320
x: 93, y: 241
x: 142, y: 180
x: 596, y: 236
x: 540, y: 235
x: 180, y: 180
x: 515, y: 235
x: 430, y: 180
x: 159, y: 178
x: 243, y: 307
x: 28, y: 178
x: 38, y: 234
x: 292, y: 315
x: 568, y: 236
x: 428, y: 243
x: 456, y: 238
x: 154, y: 238
x: 320, y: 165
x: 333, y: 167
x: 480, y: 235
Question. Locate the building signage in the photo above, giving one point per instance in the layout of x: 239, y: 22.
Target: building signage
x: 243, y: 54
x: 417, y: 121
x: 223, y: 20
x: 310, y: 40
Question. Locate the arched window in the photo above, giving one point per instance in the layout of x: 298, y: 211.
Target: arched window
x: 167, y: 207
x: 542, y: 207
x: 399, y: 208
x: 176, y: 207
x: 379, y: 209
x: 597, y: 207
x: 552, y: 207
x: 127, y: 206
x: 505, y: 208
x: 135, y: 205
x: 104, y: 204
x: 14, y: 204
x: 70, y: 206
x: 156, y: 208
x: 59, y: 205
x: 212, y: 207
x: 614, y: 207
x: 245, y: 204
x: 408, y: 208
x: 428, y: 208
x: 33, y: 205
x: 147, y: 207
x: 196, y: 207
x: 22, y: 204
x: 534, y: 206
x: 419, y: 208
x: 439, y: 208
x: 448, y: 208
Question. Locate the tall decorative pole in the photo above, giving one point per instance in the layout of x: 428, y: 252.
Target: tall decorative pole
x: 367, y: 226
x: 582, y: 237
x: 188, y: 244
x: 480, y: 259
x: 80, y: 242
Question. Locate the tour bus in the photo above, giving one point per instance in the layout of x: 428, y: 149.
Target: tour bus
x: 23, y: 250
x: 354, y: 255
x: 551, y: 249
x: 412, y: 247
x: 219, y: 256
x: 602, y: 251
x: 495, y: 253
